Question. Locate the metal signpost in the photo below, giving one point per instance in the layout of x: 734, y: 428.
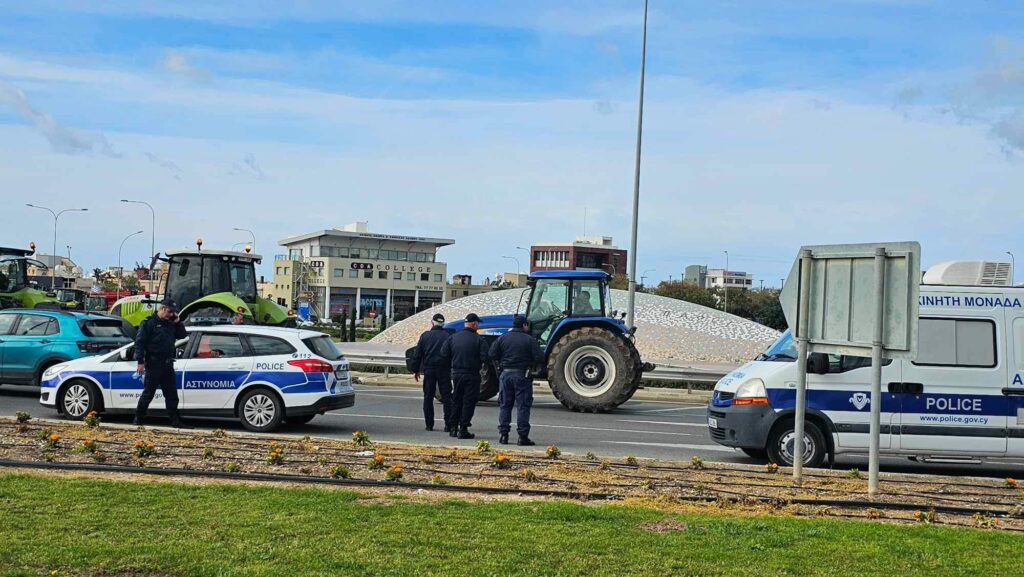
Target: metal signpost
x: 858, y: 300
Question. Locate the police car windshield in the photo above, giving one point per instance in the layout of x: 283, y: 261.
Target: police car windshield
x: 324, y: 347
x: 784, y: 349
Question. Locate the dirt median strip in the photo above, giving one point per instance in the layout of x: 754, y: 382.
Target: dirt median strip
x: 489, y: 470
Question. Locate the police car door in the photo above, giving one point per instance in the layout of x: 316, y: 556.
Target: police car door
x: 952, y: 394
x: 844, y: 395
x: 217, y: 366
x: 125, y: 389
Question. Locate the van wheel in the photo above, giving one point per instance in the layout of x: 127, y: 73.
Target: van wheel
x: 260, y: 410
x: 77, y: 399
x: 781, y: 444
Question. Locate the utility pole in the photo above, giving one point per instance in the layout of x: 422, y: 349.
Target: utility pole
x: 56, y: 215
x: 631, y: 306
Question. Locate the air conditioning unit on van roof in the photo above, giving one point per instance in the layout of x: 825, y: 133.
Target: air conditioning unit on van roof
x: 969, y: 273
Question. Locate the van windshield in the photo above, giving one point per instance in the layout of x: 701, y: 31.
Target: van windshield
x: 784, y: 349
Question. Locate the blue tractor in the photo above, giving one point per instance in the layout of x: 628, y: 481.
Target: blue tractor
x: 592, y: 363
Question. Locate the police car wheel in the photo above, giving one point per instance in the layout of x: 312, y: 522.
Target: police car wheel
x: 782, y: 446
x: 260, y: 410
x: 77, y: 399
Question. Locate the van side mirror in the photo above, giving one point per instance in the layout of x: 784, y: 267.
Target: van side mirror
x: 817, y: 363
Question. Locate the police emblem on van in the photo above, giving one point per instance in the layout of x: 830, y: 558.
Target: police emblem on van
x: 860, y: 400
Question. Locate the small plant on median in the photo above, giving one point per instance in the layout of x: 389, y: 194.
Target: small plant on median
x: 984, y: 522
x: 340, y: 472
x: 394, y: 473
x: 873, y: 513
x: 853, y: 473
x: 43, y: 433
x: 483, y: 447
x: 591, y: 456
x: 553, y: 452
x: 22, y: 417
x: 89, y: 446
x: 927, y: 517
x: 275, y: 454
x: 1011, y: 482
x: 696, y: 462
x: 605, y: 466
x: 207, y: 453
x: 143, y: 449
x: 501, y: 461
x: 631, y: 461
x: 92, y: 419
x: 437, y: 480
x: 530, y: 476
x: 771, y: 468
x: 376, y: 463
x: 361, y: 438
x: 232, y: 467
x: 52, y: 441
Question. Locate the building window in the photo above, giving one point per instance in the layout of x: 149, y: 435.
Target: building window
x: 353, y: 273
x: 465, y: 293
x: 424, y: 277
x: 366, y: 274
x: 401, y: 255
x: 372, y: 253
x: 453, y: 294
x: 397, y: 275
x: 339, y: 273
x: 295, y: 254
x: 437, y: 278
x: 354, y: 253
x: 287, y: 270
x: 277, y: 270
x: 410, y: 276
x: 382, y: 275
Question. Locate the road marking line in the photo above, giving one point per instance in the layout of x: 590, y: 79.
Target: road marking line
x: 535, y: 425
x: 689, y: 408
x: 675, y: 446
x: 664, y: 423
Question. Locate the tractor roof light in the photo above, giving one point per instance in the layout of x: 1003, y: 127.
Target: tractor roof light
x: 248, y: 248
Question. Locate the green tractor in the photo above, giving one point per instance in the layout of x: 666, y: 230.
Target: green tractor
x: 15, y: 291
x: 210, y: 286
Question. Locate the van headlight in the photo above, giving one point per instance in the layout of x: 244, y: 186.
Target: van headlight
x: 52, y: 371
x: 751, y: 392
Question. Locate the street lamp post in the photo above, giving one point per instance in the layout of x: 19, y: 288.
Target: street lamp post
x: 120, y: 271
x: 152, y: 239
x: 516, y: 260
x: 252, y: 234
x: 529, y: 255
x: 631, y: 306
x: 1013, y: 266
x: 644, y: 276
x: 56, y: 215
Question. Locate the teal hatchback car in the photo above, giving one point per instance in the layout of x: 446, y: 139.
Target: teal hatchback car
x: 32, y: 340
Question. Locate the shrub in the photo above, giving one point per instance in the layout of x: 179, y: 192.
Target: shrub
x: 853, y: 473
x: 696, y: 462
x: 232, y: 467
x: 361, y: 438
x: 89, y: 445
x: 92, y: 419
x: 207, y: 453
x: 591, y: 456
x: 394, y: 473
x: 340, y: 472
x: 553, y: 452
x: 605, y: 466
x: 52, y: 441
x: 771, y: 468
x: 23, y: 417
x: 437, y: 480
x: 501, y: 461
x: 631, y: 461
x: 376, y: 463
x: 275, y: 454
x: 530, y: 476
x: 143, y: 449
x: 483, y: 447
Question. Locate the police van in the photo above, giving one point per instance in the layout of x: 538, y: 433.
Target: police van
x: 961, y: 399
x: 261, y: 375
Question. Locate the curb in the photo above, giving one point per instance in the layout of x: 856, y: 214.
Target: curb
x: 642, y: 394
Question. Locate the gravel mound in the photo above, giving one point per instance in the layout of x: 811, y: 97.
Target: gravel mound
x: 667, y: 329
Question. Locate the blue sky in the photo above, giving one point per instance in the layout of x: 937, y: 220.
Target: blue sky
x: 768, y: 124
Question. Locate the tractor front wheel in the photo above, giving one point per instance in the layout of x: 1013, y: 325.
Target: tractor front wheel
x: 593, y: 370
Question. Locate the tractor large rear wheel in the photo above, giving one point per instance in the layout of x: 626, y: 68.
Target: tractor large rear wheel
x: 593, y: 370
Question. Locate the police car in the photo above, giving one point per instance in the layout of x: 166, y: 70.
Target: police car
x: 261, y: 375
x: 961, y: 400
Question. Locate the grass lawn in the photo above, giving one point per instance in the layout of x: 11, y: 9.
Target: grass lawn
x: 102, y: 527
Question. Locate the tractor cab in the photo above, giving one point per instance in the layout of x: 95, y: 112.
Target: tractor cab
x: 71, y: 299
x: 15, y: 290
x: 554, y: 296
x: 212, y: 286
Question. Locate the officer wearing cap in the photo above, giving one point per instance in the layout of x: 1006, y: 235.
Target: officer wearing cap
x: 518, y: 356
x: 154, y: 351
x: 466, y: 351
x: 436, y: 372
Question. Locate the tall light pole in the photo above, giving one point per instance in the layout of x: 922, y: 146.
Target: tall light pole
x: 120, y: 271
x: 1013, y: 266
x: 529, y: 256
x: 517, y: 262
x: 644, y: 275
x: 252, y: 234
x: 56, y: 215
x: 152, y: 240
x: 631, y: 306
x: 725, y: 281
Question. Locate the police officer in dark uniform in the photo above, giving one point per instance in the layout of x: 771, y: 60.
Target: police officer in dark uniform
x: 467, y: 353
x: 154, y: 351
x: 518, y: 355
x: 436, y: 372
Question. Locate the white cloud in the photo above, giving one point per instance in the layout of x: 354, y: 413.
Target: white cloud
x: 176, y: 62
x: 60, y: 137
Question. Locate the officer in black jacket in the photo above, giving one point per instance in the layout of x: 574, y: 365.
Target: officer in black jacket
x: 518, y: 355
x: 436, y: 372
x: 467, y: 353
x: 154, y: 351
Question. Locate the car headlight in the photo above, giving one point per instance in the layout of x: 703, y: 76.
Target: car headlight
x: 52, y: 371
x: 751, y: 392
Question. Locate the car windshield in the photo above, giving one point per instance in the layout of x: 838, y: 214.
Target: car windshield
x: 13, y: 276
x: 324, y: 347
x: 784, y: 349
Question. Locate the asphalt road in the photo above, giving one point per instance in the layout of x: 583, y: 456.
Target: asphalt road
x: 647, y: 429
